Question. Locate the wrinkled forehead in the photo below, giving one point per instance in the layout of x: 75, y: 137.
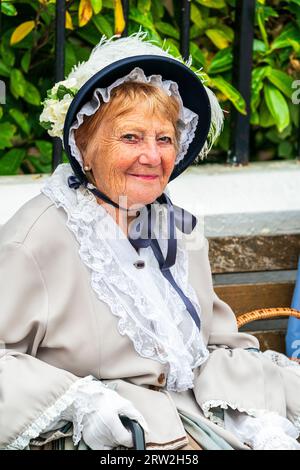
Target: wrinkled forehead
x: 139, y: 113
x: 138, y: 121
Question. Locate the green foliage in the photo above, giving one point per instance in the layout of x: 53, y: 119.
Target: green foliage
x: 27, y: 66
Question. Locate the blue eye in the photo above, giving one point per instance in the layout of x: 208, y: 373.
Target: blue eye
x: 169, y: 140
x: 127, y: 137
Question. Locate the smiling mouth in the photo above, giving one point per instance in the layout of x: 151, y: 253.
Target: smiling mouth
x: 144, y: 177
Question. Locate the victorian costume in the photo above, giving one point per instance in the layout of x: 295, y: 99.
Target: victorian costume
x: 89, y: 316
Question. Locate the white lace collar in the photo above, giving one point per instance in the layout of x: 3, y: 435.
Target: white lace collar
x: 150, y: 311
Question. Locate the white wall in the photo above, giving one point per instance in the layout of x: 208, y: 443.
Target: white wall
x: 261, y: 198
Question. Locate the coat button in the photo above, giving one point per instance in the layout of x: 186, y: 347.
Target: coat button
x: 161, y: 378
x: 139, y: 264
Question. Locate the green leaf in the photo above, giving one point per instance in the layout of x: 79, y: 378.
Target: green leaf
x: 230, y: 92
x: 281, y: 80
x: 227, y: 31
x: 43, y: 161
x: 295, y: 45
x: 20, y: 119
x: 197, y: 54
x: 277, y: 106
x: 218, y: 37
x: 273, y: 135
x: 45, y: 148
x: 288, y: 34
x: 195, y: 32
x: 144, y: 20
x: 108, y: 4
x: 285, y: 149
x: 261, y: 24
x: 103, y: 25
x: 96, y: 6
x: 39, y: 166
x: 257, y: 83
x: 265, y: 117
x: 32, y: 95
x: 221, y: 61
x: 90, y: 33
x: 286, y: 132
x: 10, y: 162
x: 70, y: 58
x: 144, y: 5
x: 1, y: 112
x: 212, y: 3
x: 48, y: 14
x: 8, y: 55
x: 259, y: 46
x: 46, y: 125
x: 266, y: 12
x: 62, y: 91
x: 25, y: 61
x: 17, y: 83
x: 294, y: 113
x: 7, y: 132
x: 167, y: 29
x: 157, y: 9
x: 8, y: 9
x: 254, y: 118
x: 196, y: 16
x: 173, y: 47
x: 4, y: 70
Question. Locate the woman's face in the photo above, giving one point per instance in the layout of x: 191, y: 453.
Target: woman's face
x: 133, y: 156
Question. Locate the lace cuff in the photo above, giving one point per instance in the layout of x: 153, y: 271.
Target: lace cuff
x: 51, y: 416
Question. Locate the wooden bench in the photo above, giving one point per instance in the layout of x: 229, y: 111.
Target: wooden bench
x: 257, y: 272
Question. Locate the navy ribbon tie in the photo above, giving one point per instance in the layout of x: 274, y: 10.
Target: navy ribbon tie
x: 142, y: 235
x: 74, y: 182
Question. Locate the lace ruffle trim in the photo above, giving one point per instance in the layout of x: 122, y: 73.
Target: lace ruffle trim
x: 206, y: 408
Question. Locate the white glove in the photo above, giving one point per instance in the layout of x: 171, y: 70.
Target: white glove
x: 95, y: 415
x: 267, y: 431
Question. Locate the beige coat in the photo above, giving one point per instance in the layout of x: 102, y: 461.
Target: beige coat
x: 55, y: 330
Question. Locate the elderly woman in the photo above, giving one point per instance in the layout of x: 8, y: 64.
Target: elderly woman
x: 104, y: 309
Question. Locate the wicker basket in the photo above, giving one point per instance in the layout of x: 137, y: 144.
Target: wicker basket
x: 265, y: 313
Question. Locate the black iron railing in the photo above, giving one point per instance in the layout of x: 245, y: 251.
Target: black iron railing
x: 59, y: 68
x: 185, y: 28
x: 241, y: 80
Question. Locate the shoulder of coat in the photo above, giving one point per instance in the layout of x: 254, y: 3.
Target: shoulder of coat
x: 26, y: 219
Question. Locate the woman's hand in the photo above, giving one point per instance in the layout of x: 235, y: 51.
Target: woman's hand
x: 103, y: 429
x: 95, y: 412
